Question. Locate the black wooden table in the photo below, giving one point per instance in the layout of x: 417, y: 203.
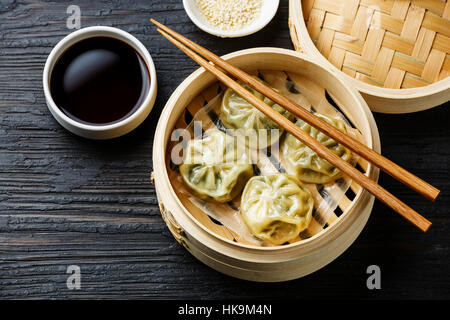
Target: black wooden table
x: 67, y: 201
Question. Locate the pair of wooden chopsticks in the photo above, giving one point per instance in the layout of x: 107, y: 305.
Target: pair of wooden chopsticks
x: 383, y: 163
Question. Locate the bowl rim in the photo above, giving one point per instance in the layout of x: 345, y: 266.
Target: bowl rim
x: 252, y: 28
x: 90, y: 32
x: 375, y: 91
x: 160, y: 155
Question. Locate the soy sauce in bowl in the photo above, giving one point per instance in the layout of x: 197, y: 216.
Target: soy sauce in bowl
x: 99, y: 81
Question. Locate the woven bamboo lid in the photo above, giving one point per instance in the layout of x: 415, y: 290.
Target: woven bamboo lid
x: 395, y: 52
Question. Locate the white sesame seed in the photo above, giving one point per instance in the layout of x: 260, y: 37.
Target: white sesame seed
x: 229, y: 14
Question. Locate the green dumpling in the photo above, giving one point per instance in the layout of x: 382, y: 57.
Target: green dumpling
x: 215, y: 168
x: 276, y: 207
x: 305, y: 163
x: 237, y: 113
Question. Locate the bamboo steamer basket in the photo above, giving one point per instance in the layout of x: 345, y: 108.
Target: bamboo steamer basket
x: 396, y: 53
x: 219, y: 247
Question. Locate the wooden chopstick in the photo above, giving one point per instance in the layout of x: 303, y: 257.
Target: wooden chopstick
x: 365, y: 182
x: 357, y: 147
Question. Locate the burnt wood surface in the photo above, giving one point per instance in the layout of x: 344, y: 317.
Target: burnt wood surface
x: 66, y: 201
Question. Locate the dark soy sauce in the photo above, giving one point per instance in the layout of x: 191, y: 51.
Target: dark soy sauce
x: 99, y: 81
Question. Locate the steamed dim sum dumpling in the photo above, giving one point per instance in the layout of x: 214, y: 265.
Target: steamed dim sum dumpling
x: 215, y: 167
x: 276, y: 207
x: 237, y: 113
x: 305, y: 163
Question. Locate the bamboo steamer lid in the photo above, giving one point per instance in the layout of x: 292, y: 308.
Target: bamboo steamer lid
x: 396, y: 53
x: 223, y: 249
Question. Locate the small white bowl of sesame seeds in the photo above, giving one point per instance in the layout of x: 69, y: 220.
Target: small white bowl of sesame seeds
x: 231, y: 18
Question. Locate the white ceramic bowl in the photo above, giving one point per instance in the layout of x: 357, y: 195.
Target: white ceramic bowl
x: 109, y: 131
x: 268, y: 10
